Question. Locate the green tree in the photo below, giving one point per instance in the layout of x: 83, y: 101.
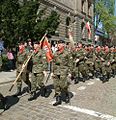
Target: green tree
x: 23, y: 20
x: 106, y: 17
x: 8, y: 13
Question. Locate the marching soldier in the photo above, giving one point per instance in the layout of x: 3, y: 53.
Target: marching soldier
x: 80, y: 62
x: 90, y: 59
x: 98, y: 61
x: 106, y: 64
x: 38, y: 70
x: 22, y: 56
x: 61, y: 74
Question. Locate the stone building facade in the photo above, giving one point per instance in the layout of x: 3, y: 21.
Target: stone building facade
x: 74, y: 14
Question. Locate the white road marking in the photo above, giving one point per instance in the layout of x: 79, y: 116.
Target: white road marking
x: 89, y: 112
x: 82, y: 88
x: 90, y: 83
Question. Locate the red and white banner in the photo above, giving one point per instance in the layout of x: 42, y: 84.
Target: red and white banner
x: 47, y: 48
x: 88, y: 27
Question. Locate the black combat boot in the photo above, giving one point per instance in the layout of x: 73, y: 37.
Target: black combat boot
x: 67, y: 100
x: 76, y: 80
x: 58, y: 101
x: 18, y: 93
x: 32, y: 96
x: 44, y: 92
x: 113, y: 73
x: 92, y: 72
x: 104, y: 78
x: 108, y: 76
x: 97, y: 74
x: 85, y: 77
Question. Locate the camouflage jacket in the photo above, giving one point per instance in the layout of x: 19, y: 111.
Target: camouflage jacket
x: 39, y: 62
x: 21, y: 59
x: 61, y: 62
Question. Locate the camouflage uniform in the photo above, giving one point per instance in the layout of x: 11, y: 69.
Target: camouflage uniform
x: 81, y: 57
x: 74, y: 70
x: 21, y: 59
x: 98, y: 63
x: 106, y: 66
x: 90, y: 62
x: 61, y: 68
x: 37, y: 78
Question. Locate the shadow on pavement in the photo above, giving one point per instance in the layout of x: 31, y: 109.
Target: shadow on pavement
x: 9, y: 102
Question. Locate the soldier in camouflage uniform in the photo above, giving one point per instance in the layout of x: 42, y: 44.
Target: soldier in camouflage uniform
x: 80, y: 62
x: 74, y: 72
x: 90, y: 60
x: 38, y: 70
x: 61, y: 68
x: 98, y: 61
x: 106, y: 66
x: 22, y: 57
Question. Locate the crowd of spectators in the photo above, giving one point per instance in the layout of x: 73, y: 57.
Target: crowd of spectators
x: 7, y: 57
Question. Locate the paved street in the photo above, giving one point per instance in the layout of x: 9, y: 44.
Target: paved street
x: 6, y: 77
x: 91, y: 100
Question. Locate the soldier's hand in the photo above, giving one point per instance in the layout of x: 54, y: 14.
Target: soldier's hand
x: 102, y: 59
x: 77, y: 60
x: 31, y: 50
x: 45, y: 73
x: 52, y: 74
x: 108, y: 63
x: 69, y: 75
x: 23, y: 66
x: 113, y: 60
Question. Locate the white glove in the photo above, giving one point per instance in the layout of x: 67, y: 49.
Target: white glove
x: 45, y: 73
x: 77, y: 60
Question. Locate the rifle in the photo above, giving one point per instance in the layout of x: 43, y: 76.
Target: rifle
x: 25, y: 65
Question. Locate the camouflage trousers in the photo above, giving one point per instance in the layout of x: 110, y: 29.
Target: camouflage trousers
x: 82, y: 69
x: 61, y: 84
x: 106, y: 69
x: 90, y: 67
x: 113, y: 66
x: 24, y: 77
x: 37, y: 80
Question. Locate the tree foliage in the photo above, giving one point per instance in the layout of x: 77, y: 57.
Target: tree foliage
x: 23, y: 20
x: 106, y: 16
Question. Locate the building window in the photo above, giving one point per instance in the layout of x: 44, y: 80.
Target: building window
x: 82, y: 5
x: 89, y: 8
x: 68, y: 19
x: 83, y: 30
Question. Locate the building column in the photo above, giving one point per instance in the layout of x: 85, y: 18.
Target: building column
x: 86, y: 7
x: 92, y: 10
x: 78, y: 5
x: 77, y: 29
